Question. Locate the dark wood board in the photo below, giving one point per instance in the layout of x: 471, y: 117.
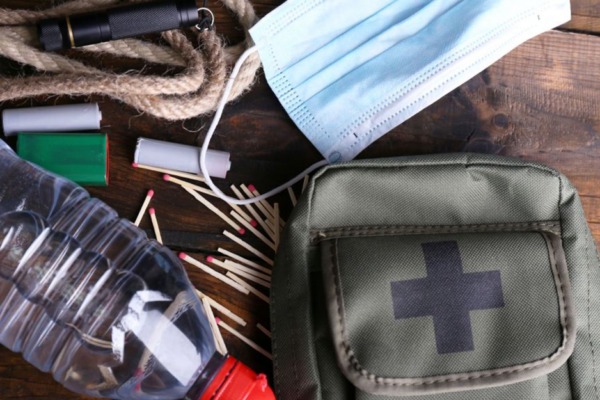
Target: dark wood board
x: 541, y: 103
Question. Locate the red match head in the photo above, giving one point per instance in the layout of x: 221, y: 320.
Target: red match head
x: 183, y: 256
x: 251, y: 187
x: 152, y: 211
x: 218, y: 320
x: 150, y: 193
x: 253, y: 223
x: 134, y: 165
x: 167, y: 177
x: 210, y: 259
x: 242, y: 231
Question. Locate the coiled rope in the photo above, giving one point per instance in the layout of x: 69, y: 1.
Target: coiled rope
x: 194, y: 91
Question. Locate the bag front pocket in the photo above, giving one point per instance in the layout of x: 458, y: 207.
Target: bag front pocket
x: 447, y: 311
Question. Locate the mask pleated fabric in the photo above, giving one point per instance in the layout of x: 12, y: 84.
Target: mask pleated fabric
x: 348, y: 71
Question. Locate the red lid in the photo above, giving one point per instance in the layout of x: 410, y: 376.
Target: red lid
x: 235, y: 381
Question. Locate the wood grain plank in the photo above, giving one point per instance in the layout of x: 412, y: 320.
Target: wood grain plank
x: 586, y: 16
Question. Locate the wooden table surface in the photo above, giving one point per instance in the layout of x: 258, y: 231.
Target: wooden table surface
x: 540, y: 103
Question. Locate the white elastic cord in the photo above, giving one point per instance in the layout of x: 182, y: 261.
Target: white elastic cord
x: 211, y: 131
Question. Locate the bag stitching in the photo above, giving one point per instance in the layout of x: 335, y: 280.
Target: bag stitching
x: 322, y: 234
x: 274, y: 343
x: 587, y: 259
x: 293, y: 335
x: 382, y: 381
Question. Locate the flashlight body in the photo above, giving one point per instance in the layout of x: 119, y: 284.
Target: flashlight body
x: 116, y: 23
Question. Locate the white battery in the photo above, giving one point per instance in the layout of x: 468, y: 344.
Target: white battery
x: 180, y: 157
x: 66, y: 118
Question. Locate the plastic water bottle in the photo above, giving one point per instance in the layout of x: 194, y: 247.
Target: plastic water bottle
x: 88, y: 297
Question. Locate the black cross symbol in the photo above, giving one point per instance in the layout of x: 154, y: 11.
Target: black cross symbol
x: 448, y: 295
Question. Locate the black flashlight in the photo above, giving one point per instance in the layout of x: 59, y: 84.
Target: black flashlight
x: 116, y: 23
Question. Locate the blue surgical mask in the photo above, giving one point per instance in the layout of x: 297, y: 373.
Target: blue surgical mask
x: 349, y: 71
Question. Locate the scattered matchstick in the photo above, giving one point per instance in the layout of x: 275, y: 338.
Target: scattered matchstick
x: 170, y: 172
x: 185, y: 184
x: 271, y: 226
x: 305, y: 183
x: 252, y: 229
x: 238, y: 268
x: 213, y: 273
x: 251, y: 288
x: 244, y: 260
x: 292, y: 196
x: 248, y: 247
x: 277, y: 225
x: 264, y: 330
x: 235, y: 270
x: 152, y: 213
x: 252, y: 211
x: 244, y: 339
x: 269, y: 207
x: 209, y: 192
x: 244, y: 268
x: 140, y: 215
x: 219, y: 342
x: 222, y: 309
x: 215, y: 210
x: 260, y: 204
x: 254, y: 192
x: 244, y: 215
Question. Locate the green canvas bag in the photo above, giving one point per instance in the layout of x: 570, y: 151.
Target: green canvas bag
x: 451, y: 277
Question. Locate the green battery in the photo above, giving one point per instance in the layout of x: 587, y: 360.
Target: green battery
x: 80, y: 157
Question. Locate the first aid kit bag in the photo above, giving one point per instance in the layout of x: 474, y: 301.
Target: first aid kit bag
x: 448, y: 277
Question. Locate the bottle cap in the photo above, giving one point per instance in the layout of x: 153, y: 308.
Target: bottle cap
x: 235, y: 381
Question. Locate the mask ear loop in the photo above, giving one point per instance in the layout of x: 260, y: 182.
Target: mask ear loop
x: 213, y: 128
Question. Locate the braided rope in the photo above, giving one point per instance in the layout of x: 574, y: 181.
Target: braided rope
x: 194, y: 91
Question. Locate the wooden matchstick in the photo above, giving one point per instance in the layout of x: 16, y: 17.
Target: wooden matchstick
x: 244, y: 339
x: 222, y: 309
x: 271, y: 226
x: 219, y: 342
x: 152, y: 213
x: 252, y: 211
x: 265, y: 203
x: 305, y: 183
x: 235, y: 267
x: 243, y: 214
x: 292, y: 196
x: 277, y: 225
x: 260, y: 204
x: 251, y: 288
x: 249, y: 248
x: 185, y: 184
x: 269, y: 207
x: 213, y: 273
x: 264, y: 330
x: 244, y: 260
x: 170, y: 172
x: 250, y: 276
x: 209, y: 192
x: 215, y: 210
x: 244, y: 268
x: 252, y: 229
x: 142, y: 212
